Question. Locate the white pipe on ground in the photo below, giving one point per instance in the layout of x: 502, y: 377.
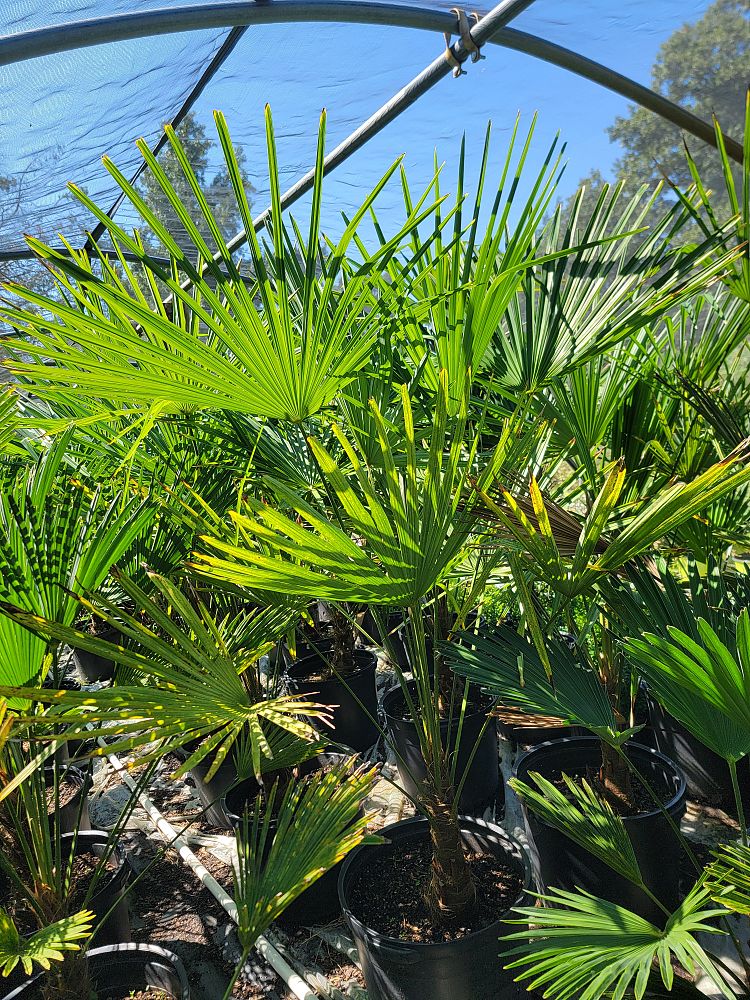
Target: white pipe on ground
x: 263, y: 946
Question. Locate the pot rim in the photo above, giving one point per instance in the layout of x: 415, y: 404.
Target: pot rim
x: 119, y: 855
x: 587, y: 741
x: 391, y: 692
x: 147, y: 948
x: 293, y: 670
x: 144, y: 948
x: 423, y: 947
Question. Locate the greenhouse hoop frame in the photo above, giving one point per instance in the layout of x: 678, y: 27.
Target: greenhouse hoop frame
x: 239, y: 15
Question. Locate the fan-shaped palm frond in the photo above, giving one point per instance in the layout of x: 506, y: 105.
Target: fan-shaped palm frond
x: 579, y: 945
x: 727, y: 878
x: 406, y: 523
x: 610, y: 284
x: 647, y: 605
x: 573, y: 556
x: 198, y: 688
x: 56, y: 536
x: 266, y: 344
x: 586, y: 818
x: 687, y: 674
x: 448, y: 305
x: 281, y: 853
x: 43, y: 946
x: 738, y: 279
x: 511, y: 669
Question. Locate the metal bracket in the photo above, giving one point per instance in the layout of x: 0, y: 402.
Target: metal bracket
x: 470, y: 47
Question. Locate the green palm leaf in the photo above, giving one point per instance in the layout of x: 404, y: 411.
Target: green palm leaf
x: 728, y: 878
x: 406, y: 522
x: 198, y: 684
x: 9, y: 423
x: 686, y: 674
x: 587, y: 819
x: 511, y: 669
x: 573, y: 556
x: 319, y: 821
x: 262, y: 344
x: 738, y: 279
x: 611, y: 283
x: 655, y: 606
x: 43, y: 946
x: 579, y: 945
x: 50, y: 547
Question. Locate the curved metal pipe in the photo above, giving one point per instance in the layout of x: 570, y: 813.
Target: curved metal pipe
x: 233, y: 13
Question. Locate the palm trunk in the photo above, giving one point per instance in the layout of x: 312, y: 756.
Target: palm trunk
x: 614, y: 775
x: 451, y: 894
x: 617, y: 781
x: 68, y: 980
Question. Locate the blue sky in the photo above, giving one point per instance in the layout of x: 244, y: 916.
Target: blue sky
x: 59, y: 114
x: 352, y: 69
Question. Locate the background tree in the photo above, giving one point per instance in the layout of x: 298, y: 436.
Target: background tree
x: 197, y: 145
x: 705, y: 67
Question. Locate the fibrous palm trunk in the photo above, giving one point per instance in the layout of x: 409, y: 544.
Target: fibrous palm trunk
x: 451, y: 892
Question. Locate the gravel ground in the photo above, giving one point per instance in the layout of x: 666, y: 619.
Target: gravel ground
x: 170, y: 906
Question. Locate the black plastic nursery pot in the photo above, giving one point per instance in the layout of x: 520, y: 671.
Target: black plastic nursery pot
x: 706, y: 773
x: 93, y: 668
x: 109, y: 893
x: 393, y: 642
x: 560, y: 862
x: 353, y: 698
x: 468, y: 968
x: 117, y: 970
x: 74, y: 814
x: 482, y: 786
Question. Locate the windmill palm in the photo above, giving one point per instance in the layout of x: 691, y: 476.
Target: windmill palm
x: 390, y: 535
x: 263, y: 337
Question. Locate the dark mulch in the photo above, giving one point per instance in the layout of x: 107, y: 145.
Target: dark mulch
x: 641, y: 801
x: 387, y: 895
x: 67, y: 789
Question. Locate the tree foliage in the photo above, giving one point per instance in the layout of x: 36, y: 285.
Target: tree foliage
x: 214, y: 181
x: 703, y: 66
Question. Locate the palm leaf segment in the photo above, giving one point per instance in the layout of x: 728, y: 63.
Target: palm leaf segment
x: 582, y: 946
x: 728, y: 878
x: 49, y: 548
x: 575, y: 559
x: 271, y: 345
x: 196, y: 690
x: 318, y: 823
x: 8, y: 423
x: 738, y: 278
x: 44, y: 946
x: 409, y: 521
x: 687, y: 673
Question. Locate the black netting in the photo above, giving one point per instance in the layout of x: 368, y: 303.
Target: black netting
x: 60, y: 113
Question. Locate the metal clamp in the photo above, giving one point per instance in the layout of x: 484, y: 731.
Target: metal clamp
x: 470, y: 47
